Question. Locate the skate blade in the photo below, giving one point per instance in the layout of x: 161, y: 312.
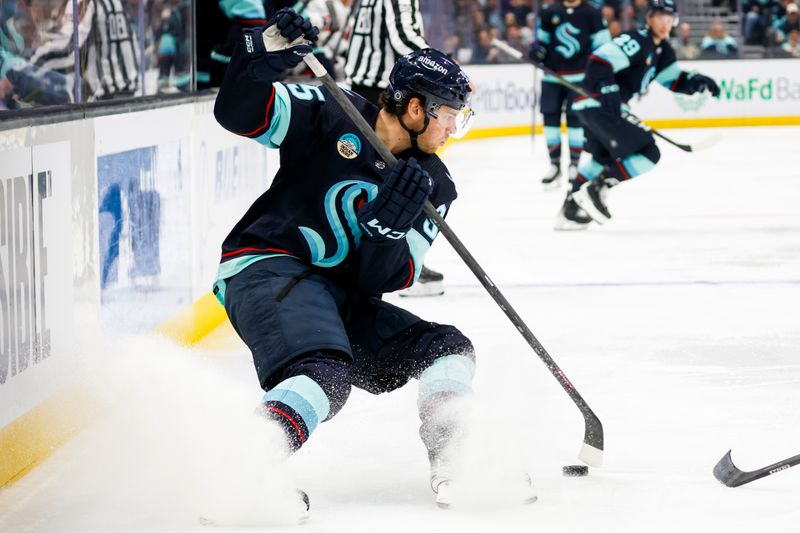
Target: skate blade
x: 552, y: 185
x: 565, y: 224
x: 432, y: 288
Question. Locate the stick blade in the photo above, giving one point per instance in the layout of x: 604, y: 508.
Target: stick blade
x: 592, y: 450
x: 727, y: 473
x: 707, y: 143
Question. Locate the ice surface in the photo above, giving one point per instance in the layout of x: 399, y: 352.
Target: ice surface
x: 678, y: 322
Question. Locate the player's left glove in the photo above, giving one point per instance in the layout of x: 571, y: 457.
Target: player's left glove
x: 611, y: 100
x: 398, y: 203
x: 699, y: 83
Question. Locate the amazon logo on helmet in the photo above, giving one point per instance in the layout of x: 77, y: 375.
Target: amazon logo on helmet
x: 432, y: 75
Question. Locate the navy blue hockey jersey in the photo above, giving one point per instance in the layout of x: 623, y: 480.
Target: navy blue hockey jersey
x: 632, y: 60
x: 570, y: 35
x: 328, y: 171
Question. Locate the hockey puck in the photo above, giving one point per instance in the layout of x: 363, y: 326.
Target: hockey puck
x: 575, y: 470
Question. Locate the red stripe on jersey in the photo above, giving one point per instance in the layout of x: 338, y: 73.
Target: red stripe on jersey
x: 598, y: 59
x: 243, y: 250
x: 266, y: 118
x: 411, y: 277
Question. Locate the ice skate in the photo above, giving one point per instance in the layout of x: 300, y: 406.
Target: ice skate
x: 551, y: 180
x: 571, y: 217
x: 591, y: 198
x: 442, y: 482
x: 430, y: 283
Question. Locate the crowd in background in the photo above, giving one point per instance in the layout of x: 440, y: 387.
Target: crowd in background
x: 124, y: 48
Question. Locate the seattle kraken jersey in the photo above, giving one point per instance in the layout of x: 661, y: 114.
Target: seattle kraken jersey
x: 570, y: 35
x: 633, y: 61
x: 327, y: 171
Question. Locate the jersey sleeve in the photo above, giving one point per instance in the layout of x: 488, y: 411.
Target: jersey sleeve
x: 670, y: 75
x: 600, y: 34
x: 404, y: 25
x: 386, y: 266
x: 252, y: 104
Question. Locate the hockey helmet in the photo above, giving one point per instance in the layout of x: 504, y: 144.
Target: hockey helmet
x: 435, y: 78
x: 663, y: 6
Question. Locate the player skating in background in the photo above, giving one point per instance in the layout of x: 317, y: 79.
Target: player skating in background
x: 385, y: 30
x: 623, y: 149
x: 567, y: 31
x: 303, y: 272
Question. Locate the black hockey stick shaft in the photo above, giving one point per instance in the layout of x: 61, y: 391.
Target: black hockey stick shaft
x: 592, y: 450
x: 630, y: 117
x: 728, y: 474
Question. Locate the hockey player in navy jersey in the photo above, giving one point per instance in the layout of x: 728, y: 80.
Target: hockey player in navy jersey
x: 302, y: 273
x: 567, y: 32
x: 622, y: 149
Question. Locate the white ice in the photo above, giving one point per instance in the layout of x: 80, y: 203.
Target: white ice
x: 678, y: 322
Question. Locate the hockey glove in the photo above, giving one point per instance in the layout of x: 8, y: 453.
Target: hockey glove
x: 538, y: 53
x: 699, y: 83
x: 611, y: 100
x: 280, y: 45
x: 398, y: 203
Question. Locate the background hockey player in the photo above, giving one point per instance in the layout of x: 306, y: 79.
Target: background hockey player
x: 302, y: 273
x: 622, y: 149
x: 567, y: 32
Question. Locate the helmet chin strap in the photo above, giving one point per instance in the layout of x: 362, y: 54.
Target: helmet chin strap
x: 412, y: 135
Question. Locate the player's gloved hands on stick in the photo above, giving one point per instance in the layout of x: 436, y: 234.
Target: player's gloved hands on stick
x: 398, y: 203
x: 699, y: 83
x: 537, y: 52
x: 611, y: 100
x: 281, y: 44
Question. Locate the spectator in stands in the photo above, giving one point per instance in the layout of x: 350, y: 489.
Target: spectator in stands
x: 757, y: 16
x: 483, y: 51
x: 639, y: 15
x: 682, y: 44
x: 717, y: 44
x: 520, y: 9
x: 792, y: 44
x: 786, y: 24
x: 492, y: 14
x: 514, y: 38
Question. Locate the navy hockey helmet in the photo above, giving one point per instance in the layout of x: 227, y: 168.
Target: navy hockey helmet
x: 662, y: 6
x: 436, y: 79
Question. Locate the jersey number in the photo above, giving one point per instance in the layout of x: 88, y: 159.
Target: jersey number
x: 305, y: 92
x: 429, y: 227
x: 628, y: 44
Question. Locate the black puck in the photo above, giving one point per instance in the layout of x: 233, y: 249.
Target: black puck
x: 575, y: 470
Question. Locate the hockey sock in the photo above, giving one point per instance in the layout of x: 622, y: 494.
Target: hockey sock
x: 552, y: 136
x: 448, y: 377
x: 298, y: 404
x: 575, y: 136
x: 587, y: 171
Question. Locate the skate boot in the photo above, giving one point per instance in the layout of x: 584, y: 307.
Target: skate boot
x: 441, y: 481
x: 571, y: 217
x: 429, y: 283
x: 591, y: 197
x: 550, y: 180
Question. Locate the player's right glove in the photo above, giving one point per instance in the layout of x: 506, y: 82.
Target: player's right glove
x: 398, y: 203
x: 610, y: 100
x: 538, y: 52
x: 280, y: 45
x: 699, y: 83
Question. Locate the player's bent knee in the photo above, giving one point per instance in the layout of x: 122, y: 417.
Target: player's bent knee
x: 652, y: 153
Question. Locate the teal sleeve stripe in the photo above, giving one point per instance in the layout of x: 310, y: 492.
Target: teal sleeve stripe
x: 281, y: 117
x: 612, y: 53
x: 668, y: 76
x: 572, y: 78
x: 167, y: 46
x: 305, y: 396
x: 418, y: 246
x: 243, y: 9
x: 543, y: 36
x: 575, y: 136
x: 637, y: 164
x: 552, y: 135
x: 600, y: 38
x: 586, y: 103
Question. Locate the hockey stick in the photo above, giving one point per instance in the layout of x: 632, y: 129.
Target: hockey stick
x: 630, y: 117
x: 592, y: 451
x: 728, y: 474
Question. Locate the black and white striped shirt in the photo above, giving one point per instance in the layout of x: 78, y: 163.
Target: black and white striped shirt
x: 109, y: 55
x: 384, y: 30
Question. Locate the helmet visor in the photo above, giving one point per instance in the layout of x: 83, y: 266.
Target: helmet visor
x: 457, y: 121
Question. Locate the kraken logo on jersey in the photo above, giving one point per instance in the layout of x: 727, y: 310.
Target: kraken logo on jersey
x: 342, y: 194
x: 569, y: 45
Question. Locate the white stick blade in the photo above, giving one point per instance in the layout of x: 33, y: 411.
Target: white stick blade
x: 591, y: 455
